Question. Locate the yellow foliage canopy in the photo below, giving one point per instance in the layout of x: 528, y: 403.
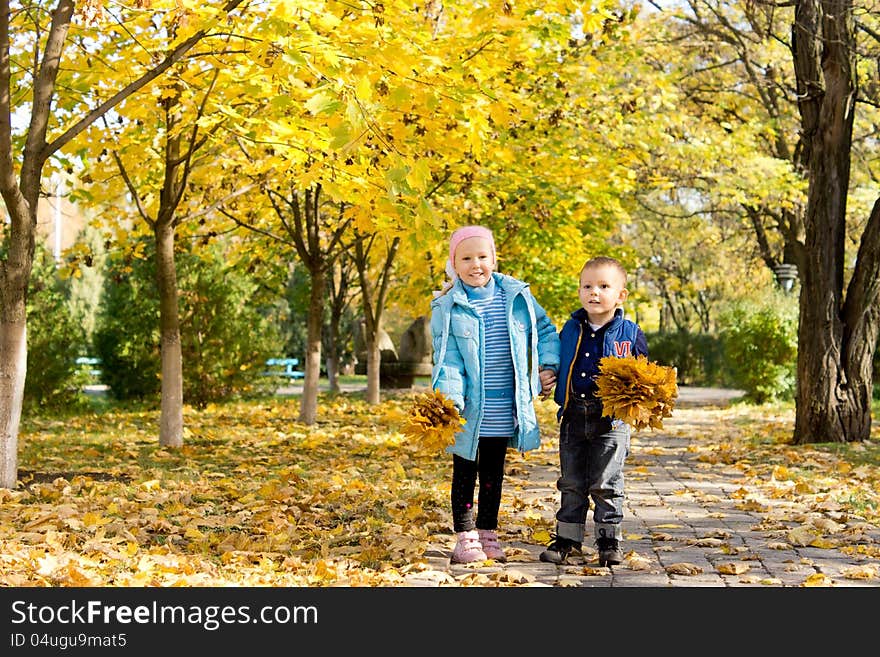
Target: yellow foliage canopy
x: 433, y: 420
x: 637, y: 391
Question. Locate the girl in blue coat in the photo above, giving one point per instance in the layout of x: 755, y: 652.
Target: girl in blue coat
x: 495, y: 352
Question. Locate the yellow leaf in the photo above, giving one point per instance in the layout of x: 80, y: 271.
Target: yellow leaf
x: 780, y: 473
x: 364, y: 90
x: 193, y: 532
x: 817, y: 579
x: 801, y: 536
x: 541, y: 536
x: 733, y: 568
x: 684, y: 568
x: 419, y: 175
x: 860, y: 572
x: 91, y: 519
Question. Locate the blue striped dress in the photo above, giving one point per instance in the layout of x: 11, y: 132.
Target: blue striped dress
x: 498, y: 383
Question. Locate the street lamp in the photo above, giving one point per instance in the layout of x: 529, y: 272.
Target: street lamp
x: 786, y: 275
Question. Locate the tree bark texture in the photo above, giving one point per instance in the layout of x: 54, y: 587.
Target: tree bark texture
x: 373, y: 296
x: 833, y: 378
x: 308, y: 411
x: 171, y: 418
x: 13, y: 367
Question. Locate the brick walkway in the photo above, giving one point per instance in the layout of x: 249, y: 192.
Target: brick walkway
x: 685, y: 525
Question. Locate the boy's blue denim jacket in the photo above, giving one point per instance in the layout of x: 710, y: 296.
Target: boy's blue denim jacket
x: 620, y: 331
x: 459, y: 346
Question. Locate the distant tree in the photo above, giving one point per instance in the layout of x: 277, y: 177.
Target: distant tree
x: 43, y: 51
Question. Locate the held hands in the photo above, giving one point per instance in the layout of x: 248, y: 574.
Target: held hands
x: 548, y: 380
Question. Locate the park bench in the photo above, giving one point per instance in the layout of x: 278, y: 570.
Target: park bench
x: 284, y: 368
x: 90, y: 365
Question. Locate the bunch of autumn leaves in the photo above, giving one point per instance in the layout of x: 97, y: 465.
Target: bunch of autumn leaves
x: 635, y: 390
x: 433, y: 421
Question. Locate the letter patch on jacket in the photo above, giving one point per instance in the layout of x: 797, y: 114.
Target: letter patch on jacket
x: 622, y: 349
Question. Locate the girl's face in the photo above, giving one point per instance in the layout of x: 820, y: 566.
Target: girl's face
x: 474, y: 261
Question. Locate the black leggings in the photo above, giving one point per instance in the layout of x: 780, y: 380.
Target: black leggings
x: 489, y: 466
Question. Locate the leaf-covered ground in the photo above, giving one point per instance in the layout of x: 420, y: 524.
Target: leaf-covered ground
x: 255, y: 498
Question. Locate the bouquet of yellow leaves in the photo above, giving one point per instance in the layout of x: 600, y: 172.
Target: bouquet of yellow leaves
x: 637, y: 391
x: 433, y: 420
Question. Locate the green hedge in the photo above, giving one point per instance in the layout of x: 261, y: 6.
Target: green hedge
x: 55, y: 338
x: 697, y: 357
x: 228, y: 329
x: 760, y: 346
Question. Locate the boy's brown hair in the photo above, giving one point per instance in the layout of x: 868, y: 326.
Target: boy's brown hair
x: 600, y: 261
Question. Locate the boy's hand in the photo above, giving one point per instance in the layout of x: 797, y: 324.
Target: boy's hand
x: 548, y: 380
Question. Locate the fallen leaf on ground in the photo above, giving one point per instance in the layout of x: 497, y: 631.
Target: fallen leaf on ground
x: 683, y: 568
x: 733, y: 568
x: 818, y: 579
x: 860, y: 572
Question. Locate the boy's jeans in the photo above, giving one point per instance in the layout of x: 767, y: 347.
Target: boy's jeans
x: 592, y: 450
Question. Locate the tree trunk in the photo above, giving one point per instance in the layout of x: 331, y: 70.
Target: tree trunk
x: 332, y: 360
x: 374, y: 364
x: 337, y: 284
x: 833, y: 404
x: 171, y: 421
x: 13, y: 367
x: 332, y: 365
x: 15, y: 272
x: 373, y: 302
x: 308, y: 411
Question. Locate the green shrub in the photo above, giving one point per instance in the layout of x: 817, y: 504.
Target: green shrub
x: 760, y: 347
x: 126, y: 336
x: 55, y: 339
x: 697, y: 357
x: 228, y: 329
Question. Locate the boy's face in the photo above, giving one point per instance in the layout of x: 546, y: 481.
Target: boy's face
x: 601, y: 292
x: 474, y: 261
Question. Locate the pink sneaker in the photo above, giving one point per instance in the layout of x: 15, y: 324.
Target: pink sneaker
x: 467, y: 548
x: 491, y: 546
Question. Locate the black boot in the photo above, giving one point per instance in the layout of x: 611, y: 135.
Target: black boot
x: 609, y: 551
x: 559, y: 549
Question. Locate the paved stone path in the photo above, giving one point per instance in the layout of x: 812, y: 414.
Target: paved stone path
x: 685, y: 525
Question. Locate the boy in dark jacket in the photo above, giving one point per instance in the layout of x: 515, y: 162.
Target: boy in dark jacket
x: 592, y: 447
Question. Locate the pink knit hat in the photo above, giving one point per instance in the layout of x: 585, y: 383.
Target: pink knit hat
x: 464, y: 233
x: 457, y: 238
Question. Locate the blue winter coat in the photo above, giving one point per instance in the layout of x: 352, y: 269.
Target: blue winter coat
x: 623, y: 337
x: 459, y: 345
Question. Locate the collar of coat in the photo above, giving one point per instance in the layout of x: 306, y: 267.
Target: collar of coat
x: 581, y: 315
x: 457, y: 295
